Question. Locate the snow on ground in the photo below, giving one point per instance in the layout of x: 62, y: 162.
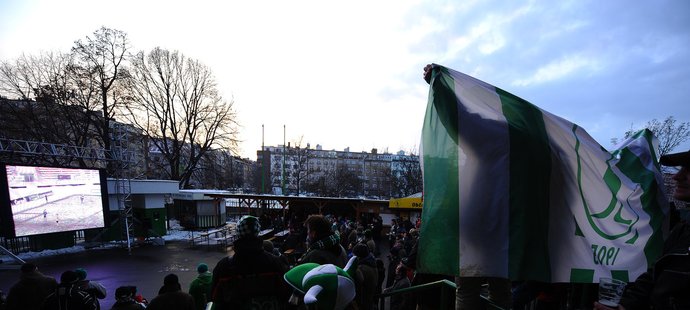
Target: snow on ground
x: 175, y: 233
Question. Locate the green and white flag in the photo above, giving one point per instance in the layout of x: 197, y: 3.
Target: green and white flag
x: 513, y: 191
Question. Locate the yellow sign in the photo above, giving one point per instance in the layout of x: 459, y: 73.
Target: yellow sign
x: 406, y: 203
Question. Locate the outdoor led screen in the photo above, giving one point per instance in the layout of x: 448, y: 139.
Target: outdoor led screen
x: 41, y: 200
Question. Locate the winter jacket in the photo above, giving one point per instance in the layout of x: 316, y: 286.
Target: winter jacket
x: 326, y: 251
x: 127, y: 304
x: 399, y: 301
x: 667, y: 284
x: 95, y: 289
x: 250, y: 276
x: 366, y: 285
x: 30, y: 291
x: 172, y: 300
x: 69, y: 297
x: 200, y: 289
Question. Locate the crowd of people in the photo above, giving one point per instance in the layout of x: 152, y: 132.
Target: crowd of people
x: 255, y: 276
x: 252, y: 275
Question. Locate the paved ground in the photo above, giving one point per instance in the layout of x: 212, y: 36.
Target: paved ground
x: 145, y: 267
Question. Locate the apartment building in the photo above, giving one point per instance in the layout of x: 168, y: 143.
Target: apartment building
x: 317, y: 172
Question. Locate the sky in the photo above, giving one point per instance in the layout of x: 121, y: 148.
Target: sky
x: 349, y: 73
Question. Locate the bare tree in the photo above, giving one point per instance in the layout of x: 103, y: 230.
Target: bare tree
x: 301, y: 168
x: 176, y: 102
x: 407, y: 178
x: 98, y: 66
x: 50, y: 105
x: 669, y: 133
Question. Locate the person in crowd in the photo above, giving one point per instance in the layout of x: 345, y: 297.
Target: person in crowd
x: 94, y: 288
x: 356, y: 236
x: 667, y: 284
x: 367, y: 277
x: 324, y: 244
x: 171, y: 297
x: 200, y: 288
x: 369, y: 241
x: 377, y: 227
x: 68, y: 296
x: 125, y: 299
x: 251, y: 274
x: 395, y: 256
x: 399, y: 302
x: 31, y: 289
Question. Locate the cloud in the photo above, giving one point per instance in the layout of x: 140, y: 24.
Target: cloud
x: 558, y: 69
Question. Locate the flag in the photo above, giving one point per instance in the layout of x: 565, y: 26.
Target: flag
x: 514, y: 191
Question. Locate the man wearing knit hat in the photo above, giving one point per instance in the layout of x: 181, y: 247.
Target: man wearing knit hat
x: 667, y: 283
x: 95, y: 289
x: 251, y: 274
x: 171, y: 297
x: 68, y: 296
x: 200, y: 288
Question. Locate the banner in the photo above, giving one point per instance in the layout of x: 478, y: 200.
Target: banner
x: 513, y: 191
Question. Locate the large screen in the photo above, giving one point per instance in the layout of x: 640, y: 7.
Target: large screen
x: 41, y: 200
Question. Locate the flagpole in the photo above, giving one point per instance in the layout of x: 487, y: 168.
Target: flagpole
x: 282, y: 183
x: 263, y: 159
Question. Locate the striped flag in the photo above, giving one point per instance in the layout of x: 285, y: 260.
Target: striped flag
x: 513, y: 191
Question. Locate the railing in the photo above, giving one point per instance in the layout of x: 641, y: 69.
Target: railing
x: 447, y: 290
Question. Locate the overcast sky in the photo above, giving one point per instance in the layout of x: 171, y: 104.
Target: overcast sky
x: 349, y: 73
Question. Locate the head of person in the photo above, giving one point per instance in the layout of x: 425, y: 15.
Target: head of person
x: 248, y: 227
x: 318, y: 227
x: 202, y: 268
x: 125, y: 292
x: 28, y: 268
x: 360, y: 250
x: 171, y: 283
x: 368, y: 234
x: 81, y: 273
x: 69, y: 277
x: 682, y: 177
x: 268, y: 246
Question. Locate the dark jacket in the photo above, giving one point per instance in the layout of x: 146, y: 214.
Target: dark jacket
x: 172, y: 300
x: 200, y: 289
x: 69, y: 297
x: 127, y: 304
x: 667, y: 284
x: 250, y: 276
x: 30, y: 291
x: 95, y: 289
x: 366, y: 285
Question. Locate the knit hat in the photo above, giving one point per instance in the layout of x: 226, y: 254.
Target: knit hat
x: 81, y: 272
x: 69, y: 277
x: 171, y: 283
x: 248, y: 226
x: 171, y: 279
x: 123, y: 292
x: 201, y: 268
x: 326, y: 286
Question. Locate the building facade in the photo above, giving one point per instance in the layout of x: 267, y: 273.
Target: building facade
x: 287, y: 170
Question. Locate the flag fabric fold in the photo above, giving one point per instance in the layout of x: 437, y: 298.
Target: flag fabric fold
x: 513, y: 191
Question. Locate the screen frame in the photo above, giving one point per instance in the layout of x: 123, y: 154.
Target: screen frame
x: 7, y: 224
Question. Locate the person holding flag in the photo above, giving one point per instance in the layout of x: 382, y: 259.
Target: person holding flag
x: 667, y: 284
